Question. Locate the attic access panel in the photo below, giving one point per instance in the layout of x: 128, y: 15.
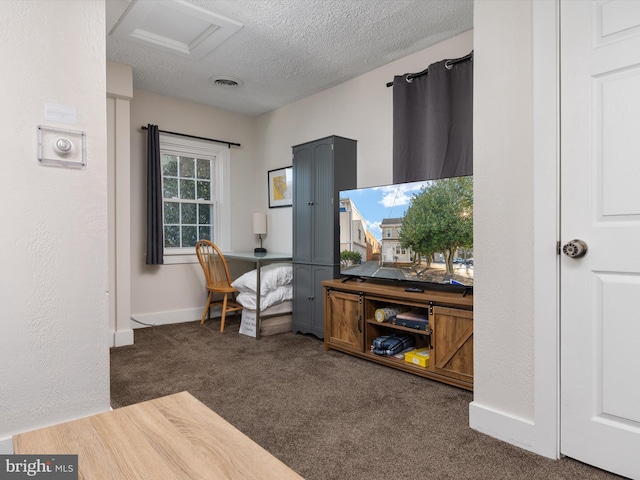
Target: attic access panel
x: 175, y: 26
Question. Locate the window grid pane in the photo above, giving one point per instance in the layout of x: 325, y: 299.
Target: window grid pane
x: 187, y: 189
x: 205, y: 233
x: 169, y: 165
x: 203, y: 169
x: 189, y: 215
x: 171, y: 236
x: 204, y: 190
x: 204, y: 214
x: 189, y: 236
x: 187, y: 167
x: 170, y: 187
x: 171, y: 213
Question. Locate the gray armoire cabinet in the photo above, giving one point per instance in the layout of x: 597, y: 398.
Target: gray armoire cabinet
x: 320, y: 170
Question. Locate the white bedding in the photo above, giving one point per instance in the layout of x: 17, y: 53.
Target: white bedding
x: 272, y: 277
x: 278, y: 309
x: 273, y: 297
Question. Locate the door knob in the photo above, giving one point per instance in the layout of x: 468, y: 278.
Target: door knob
x: 575, y: 248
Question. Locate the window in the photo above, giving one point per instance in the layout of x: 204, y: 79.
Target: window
x: 187, y: 200
x: 195, y: 198
x: 388, y: 233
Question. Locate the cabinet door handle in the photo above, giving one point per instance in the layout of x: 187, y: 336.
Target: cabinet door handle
x: 360, y: 323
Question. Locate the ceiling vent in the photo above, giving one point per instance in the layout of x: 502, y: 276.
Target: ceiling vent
x: 226, y: 81
x: 175, y: 26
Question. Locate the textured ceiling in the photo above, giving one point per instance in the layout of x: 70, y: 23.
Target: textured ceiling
x: 288, y: 49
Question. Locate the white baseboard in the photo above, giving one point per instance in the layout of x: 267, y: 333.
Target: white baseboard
x: 6, y: 446
x: 122, y: 338
x: 165, y: 318
x: 508, y: 428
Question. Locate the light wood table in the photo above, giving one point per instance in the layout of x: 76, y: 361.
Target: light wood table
x: 173, y: 437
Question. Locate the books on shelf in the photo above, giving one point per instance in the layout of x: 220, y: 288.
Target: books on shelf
x: 417, y: 319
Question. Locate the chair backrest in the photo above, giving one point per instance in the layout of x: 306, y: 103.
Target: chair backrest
x: 213, y: 264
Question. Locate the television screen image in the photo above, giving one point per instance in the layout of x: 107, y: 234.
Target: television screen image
x: 409, y: 232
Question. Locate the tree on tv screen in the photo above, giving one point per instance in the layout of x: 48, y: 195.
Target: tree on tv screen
x: 440, y: 219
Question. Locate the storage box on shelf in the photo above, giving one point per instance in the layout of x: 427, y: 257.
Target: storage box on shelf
x: 419, y: 356
x: 351, y: 326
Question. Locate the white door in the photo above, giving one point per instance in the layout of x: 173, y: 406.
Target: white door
x: 390, y: 252
x: 600, y: 204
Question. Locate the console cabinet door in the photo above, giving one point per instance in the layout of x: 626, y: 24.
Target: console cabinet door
x: 303, y: 196
x: 325, y: 250
x: 452, y: 343
x: 319, y: 273
x: 302, y: 298
x: 344, y: 322
x: 308, y: 305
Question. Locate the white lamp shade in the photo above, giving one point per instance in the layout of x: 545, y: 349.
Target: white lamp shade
x: 259, y: 223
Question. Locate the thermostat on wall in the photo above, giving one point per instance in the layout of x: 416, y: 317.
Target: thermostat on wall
x: 64, y: 148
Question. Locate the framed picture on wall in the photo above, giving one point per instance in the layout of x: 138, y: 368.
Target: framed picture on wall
x: 280, y: 184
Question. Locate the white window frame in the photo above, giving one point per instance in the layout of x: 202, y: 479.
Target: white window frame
x: 220, y: 187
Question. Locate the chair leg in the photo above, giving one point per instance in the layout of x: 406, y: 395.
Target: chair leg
x: 224, y: 312
x: 206, y: 309
x: 235, y: 302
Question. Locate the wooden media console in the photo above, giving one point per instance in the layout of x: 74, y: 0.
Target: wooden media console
x: 350, y: 326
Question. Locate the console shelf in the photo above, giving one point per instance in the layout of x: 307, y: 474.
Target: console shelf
x: 350, y: 326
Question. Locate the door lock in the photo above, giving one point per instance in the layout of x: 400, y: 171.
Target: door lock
x: 575, y: 248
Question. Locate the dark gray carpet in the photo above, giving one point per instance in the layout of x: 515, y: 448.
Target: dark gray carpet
x: 325, y: 414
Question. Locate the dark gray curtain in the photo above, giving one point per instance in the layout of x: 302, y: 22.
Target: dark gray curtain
x: 155, y: 247
x: 433, y: 123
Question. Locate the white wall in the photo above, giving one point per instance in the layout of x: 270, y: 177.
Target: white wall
x: 505, y: 254
x: 503, y: 211
x: 119, y: 95
x: 54, y: 363
x: 174, y: 293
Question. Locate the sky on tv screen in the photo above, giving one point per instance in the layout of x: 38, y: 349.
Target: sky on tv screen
x: 388, y: 201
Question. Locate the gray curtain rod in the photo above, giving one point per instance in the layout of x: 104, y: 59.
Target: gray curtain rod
x: 198, y: 138
x: 448, y: 64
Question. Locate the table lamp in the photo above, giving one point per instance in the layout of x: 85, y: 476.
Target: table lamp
x: 260, y: 228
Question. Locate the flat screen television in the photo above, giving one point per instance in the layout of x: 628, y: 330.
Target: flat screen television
x: 418, y: 234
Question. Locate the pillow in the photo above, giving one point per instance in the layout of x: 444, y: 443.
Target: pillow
x: 272, y: 276
x: 279, y: 295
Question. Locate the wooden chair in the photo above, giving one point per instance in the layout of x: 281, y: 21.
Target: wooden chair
x: 218, y: 280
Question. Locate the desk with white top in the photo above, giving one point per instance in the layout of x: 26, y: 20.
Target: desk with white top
x: 172, y: 437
